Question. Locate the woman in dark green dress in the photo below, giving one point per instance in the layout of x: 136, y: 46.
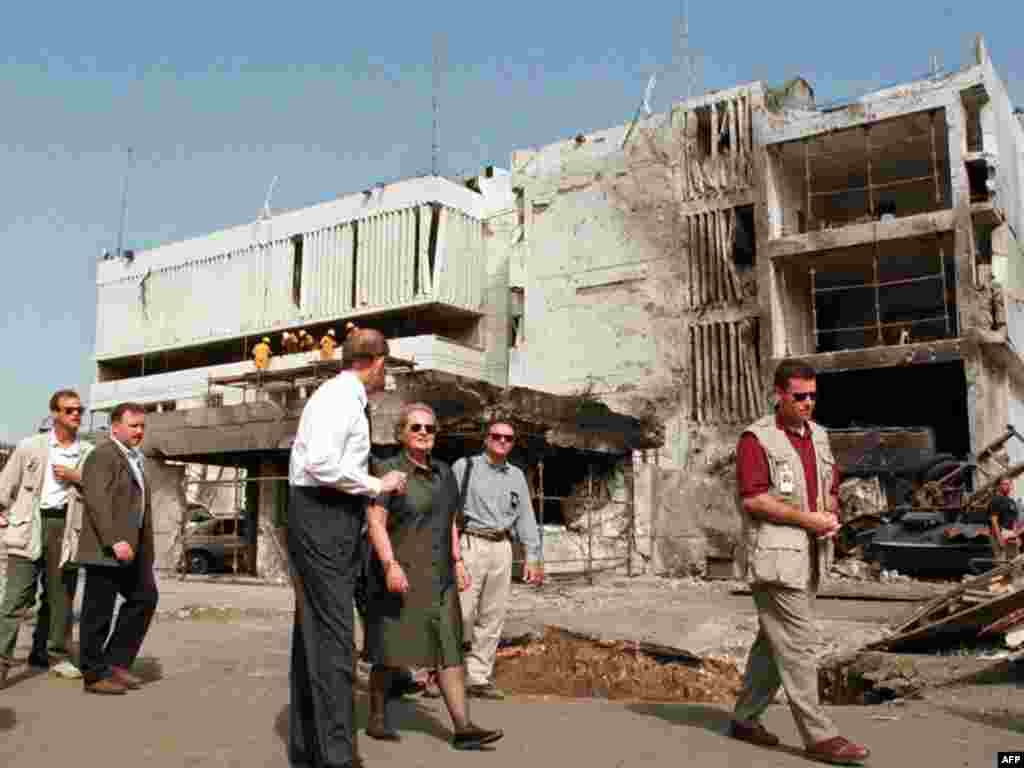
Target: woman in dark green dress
x: 415, y: 575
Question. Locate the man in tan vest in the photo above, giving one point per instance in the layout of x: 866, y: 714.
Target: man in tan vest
x: 788, y: 502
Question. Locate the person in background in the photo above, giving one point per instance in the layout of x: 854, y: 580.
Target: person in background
x: 327, y: 345
x: 261, y: 354
x: 497, y: 504
x: 116, y: 549
x: 39, y: 484
x: 1003, y: 523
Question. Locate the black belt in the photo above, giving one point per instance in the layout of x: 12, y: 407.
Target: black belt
x: 54, y: 512
x: 327, y: 495
x: 491, y: 534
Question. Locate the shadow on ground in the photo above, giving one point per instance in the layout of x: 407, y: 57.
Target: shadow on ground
x: 408, y: 714
x: 999, y: 673
x: 148, y: 668
x: 7, y: 718
x: 713, y: 719
x: 1004, y: 719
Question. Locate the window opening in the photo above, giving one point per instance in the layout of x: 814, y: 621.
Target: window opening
x: 297, y: 270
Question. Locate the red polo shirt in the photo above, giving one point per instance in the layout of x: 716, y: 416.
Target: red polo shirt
x: 753, y: 475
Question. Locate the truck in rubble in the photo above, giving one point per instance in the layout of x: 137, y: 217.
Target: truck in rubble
x: 919, y: 512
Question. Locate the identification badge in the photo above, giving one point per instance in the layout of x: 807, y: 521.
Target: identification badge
x: 787, y: 481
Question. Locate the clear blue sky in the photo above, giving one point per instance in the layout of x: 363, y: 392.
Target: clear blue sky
x: 216, y: 98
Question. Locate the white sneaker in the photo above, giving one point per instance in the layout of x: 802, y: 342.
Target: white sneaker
x: 66, y: 670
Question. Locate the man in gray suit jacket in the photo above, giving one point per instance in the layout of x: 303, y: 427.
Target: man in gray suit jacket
x: 116, y: 548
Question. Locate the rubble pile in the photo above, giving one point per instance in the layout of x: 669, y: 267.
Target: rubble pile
x: 570, y: 664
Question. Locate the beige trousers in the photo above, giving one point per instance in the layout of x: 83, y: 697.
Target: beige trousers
x: 485, y: 603
x: 783, y: 654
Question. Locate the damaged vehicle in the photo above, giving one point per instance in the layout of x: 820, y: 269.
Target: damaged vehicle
x: 913, y: 511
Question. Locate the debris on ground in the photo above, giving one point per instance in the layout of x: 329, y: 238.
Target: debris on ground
x: 565, y: 663
x: 986, y: 605
x: 896, y: 588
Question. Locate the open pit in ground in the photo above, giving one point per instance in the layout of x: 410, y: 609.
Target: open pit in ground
x: 571, y: 665
x: 563, y: 663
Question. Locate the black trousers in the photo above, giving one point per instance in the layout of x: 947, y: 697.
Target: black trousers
x: 324, y: 527
x: 103, y: 583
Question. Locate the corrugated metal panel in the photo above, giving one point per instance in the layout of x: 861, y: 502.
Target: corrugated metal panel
x: 425, y: 282
x: 250, y: 290
x: 459, y: 263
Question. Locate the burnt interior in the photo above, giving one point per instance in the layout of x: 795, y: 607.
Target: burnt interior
x: 929, y: 395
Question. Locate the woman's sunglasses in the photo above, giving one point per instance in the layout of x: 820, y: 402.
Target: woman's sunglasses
x: 428, y: 428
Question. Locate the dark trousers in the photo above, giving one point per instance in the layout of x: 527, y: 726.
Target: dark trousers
x: 103, y: 583
x: 323, y: 535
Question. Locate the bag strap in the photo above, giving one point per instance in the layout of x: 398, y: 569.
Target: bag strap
x: 460, y: 512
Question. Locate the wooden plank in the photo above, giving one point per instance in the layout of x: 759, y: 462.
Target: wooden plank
x: 978, y: 582
x: 896, y: 592
x: 961, y: 625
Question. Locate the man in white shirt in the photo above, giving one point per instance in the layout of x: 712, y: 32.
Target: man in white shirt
x: 38, y: 484
x: 330, y: 485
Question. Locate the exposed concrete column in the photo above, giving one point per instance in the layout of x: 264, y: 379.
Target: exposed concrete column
x: 644, y: 506
x: 167, y: 497
x: 271, y: 556
x: 495, y: 323
x: 963, y: 243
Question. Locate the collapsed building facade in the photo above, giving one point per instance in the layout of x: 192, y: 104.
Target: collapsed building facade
x: 677, y: 259
x: 626, y: 294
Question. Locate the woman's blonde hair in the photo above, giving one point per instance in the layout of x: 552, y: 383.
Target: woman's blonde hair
x: 406, y: 411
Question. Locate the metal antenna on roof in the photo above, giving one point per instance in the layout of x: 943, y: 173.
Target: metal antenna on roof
x: 435, y: 146
x: 265, y: 213
x: 685, y: 55
x: 124, y: 206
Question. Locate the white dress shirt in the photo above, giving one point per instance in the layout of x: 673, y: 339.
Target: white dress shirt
x: 332, y: 443
x: 55, y: 493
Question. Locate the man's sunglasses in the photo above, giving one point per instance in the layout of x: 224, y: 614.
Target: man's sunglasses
x: 502, y: 438
x: 801, y: 396
x: 73, y: 410
x: 428, y: 428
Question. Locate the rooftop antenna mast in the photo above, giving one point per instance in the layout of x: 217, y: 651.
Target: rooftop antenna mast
x: 685, y: 55
x: 435, y: 144
x: 124, y: 205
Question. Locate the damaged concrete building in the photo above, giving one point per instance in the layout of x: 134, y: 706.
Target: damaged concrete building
x: 627, y: 293
x: 418, y: 260
x: 667, y: 265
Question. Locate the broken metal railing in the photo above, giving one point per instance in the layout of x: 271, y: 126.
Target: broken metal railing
x: 877, y: 284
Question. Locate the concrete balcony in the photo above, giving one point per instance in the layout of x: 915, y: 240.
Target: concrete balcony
x: 188, y: 388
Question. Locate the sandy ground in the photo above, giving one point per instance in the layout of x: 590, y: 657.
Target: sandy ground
x: 218, y: 660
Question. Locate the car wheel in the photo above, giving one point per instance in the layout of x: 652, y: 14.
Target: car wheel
x: 199, y: 563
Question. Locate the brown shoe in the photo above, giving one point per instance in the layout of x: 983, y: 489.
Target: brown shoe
x: 107, y: 686
x: 838, y: 751
x: 752, y: 731
x: 126, y: 678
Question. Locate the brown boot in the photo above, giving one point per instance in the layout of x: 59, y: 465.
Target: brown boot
x: 377, y: 724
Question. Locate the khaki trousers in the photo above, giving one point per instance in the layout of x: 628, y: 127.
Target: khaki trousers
x: 783, y: 654
x: 485, y: 603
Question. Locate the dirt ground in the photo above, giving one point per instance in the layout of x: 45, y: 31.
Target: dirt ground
x: 217, y: 658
